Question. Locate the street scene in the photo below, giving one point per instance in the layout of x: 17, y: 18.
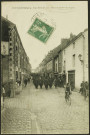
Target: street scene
x: 44, y: 68
x: 44, y: 112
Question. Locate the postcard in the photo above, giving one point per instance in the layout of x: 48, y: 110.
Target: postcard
x: 44, y: 67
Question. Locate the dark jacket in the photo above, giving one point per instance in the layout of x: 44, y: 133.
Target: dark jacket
x: 41, y: 81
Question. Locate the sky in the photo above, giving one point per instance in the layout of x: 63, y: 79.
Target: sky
x: 65, y: 16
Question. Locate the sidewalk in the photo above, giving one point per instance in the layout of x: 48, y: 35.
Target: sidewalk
x: 17, y: 117
x: 18, y: 91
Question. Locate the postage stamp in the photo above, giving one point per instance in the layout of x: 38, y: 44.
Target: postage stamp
x: 41, y: 30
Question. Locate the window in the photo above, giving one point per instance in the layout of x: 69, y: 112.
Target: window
x: 10, y: 54
x: 64, y: 64
x: 10, y: 38
x: 73, y: 60
x: 16, y: 75
x: 16, y: 48
x: 10, y: 49
x: 56, y: 67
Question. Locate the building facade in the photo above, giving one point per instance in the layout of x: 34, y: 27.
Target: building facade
x: 75, y: 60
x: 15, y: 64
x: 70, y: 59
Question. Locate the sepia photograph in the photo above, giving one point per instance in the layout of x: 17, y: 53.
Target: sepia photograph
x: 44, y: 67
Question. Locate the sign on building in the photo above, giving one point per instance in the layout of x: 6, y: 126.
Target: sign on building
x: 4, y: 48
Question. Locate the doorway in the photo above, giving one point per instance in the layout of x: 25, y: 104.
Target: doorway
x: 71, y: 79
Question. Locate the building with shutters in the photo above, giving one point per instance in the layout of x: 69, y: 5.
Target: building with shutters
x: 75, y: 60
x: 15, y: 63
x: 69, y: 59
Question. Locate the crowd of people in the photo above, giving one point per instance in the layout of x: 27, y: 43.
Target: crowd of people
x: 25, y: 81
x: 47, y: 81
x: 57, y: 81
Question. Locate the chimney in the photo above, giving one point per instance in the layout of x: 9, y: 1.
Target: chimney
x: 71, y: 36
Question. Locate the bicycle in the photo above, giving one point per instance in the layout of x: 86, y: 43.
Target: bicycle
x: 67, y: 97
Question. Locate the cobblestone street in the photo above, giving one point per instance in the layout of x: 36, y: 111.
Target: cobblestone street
x: 45, y: 112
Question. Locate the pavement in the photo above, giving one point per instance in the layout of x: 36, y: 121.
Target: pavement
x: 41, y: 111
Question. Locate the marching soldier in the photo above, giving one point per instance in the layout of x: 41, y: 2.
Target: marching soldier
x: 50, y: 82
x: 46, y: 82
x: 36, y: 82
x: 41, y: 82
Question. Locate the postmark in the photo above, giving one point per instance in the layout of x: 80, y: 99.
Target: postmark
x: 41, y: 30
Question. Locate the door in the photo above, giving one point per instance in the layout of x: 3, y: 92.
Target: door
x: 71, y: 79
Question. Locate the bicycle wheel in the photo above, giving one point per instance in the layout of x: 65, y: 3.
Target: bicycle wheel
x: 66, y: 97
x: 69, y: 100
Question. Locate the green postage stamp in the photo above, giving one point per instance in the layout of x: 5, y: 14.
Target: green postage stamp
x: 41, y: 30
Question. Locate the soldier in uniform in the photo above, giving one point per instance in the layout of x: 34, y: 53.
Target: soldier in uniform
x: 36, y: 82
x: 46, y: 82
x: 50, y: 82
x: 87, y: 88
x: 82, y: 86
x: 41, y: 82
x: 3, y: 92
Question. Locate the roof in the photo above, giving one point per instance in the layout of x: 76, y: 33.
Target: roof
x: 54, y: 53
x: 6, y: 20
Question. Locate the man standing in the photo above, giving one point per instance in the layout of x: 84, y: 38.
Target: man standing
x: 86, y: 89
x: 3, y: 93
x: 82, y: 87
x: 25, y: 82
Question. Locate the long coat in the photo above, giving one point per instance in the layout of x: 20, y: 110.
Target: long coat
x: 50, y: 82
x: 41, y: 81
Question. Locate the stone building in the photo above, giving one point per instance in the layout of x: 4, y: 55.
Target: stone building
x: 70, y: 59
x: 15, y: 64
x: 75, y: 60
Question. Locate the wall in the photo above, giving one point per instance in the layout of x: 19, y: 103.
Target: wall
x: 56, y: 63
x: 69, y: 52
x: 60, y: 62
x: 86, y: 56
x: 49, y: 66
x: 4, y: 70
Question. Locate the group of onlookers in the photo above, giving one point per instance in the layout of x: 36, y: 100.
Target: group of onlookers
x: 84, y: 89
x: 24, y: 82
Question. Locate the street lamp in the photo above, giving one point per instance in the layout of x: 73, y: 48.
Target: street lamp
x: 80, y: 58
